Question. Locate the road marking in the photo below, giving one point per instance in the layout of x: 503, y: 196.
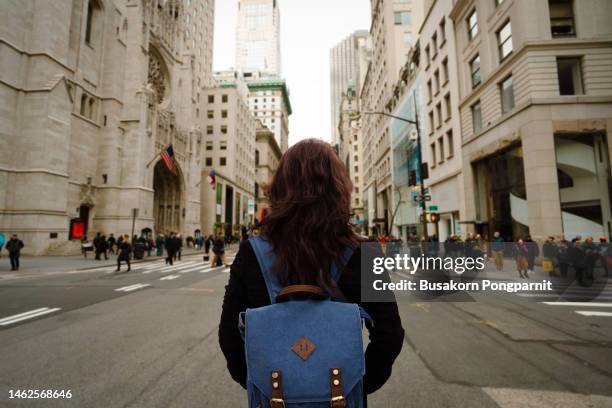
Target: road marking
x: 579, y: 304
x: 594, y: 313
x: 132, y: 287
x: 27, y: 315
x: 171, y: 267
x: 216, y: 268
x: 170, y: 277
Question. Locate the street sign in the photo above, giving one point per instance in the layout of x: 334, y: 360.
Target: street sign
x: 433, y: 208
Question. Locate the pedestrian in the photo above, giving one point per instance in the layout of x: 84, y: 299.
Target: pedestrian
x: 563, y: 257
x: 605, y: 250
x: 549, y: 250
x: 532, y: 253
x: 124, y: 250
x: 111, y: 243
x: 309, y: 234
x: 497, y: 249
x: 99, y: 244
x: 218, y: 249
x: 14, y: 247
x: 521, y: 252
x: 179, y: 246
x: 159, y: 244
x: 2, y: 242
x: 171, y: 245
x: 150, y: 245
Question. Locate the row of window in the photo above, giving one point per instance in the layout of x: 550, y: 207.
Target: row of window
x: 434, y: 88
x: 222, y: 145
x: 222, y: 161
x: 442, y: 149
x: 224, y: 98
x: 432, y: 50
x: 435, y: 121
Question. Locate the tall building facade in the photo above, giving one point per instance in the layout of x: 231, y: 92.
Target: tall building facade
x: 267, y: 157
x: 347, y: 69
x: 535, y: 100
x: 441, y: 141
x: 229, y: 144
x: 269, y: 102
x: 394, y: 26
x: 91, y: 92
x: 258, y: 37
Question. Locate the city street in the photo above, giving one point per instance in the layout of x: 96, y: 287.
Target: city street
x: 148, y: 338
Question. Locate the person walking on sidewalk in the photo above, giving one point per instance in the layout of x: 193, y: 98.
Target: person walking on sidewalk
x: 218, y: 249
x: 159, y: 244
x: 124, y: 250
x: 497, y: 248
x: 533, y: 251
x: 171, y: 245
x: 14, y: 247
x: 521, y: 252
x: 179, y: 246
x: 111, y: 243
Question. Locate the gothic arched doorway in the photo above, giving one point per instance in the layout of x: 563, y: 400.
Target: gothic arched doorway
x: 167, y: 199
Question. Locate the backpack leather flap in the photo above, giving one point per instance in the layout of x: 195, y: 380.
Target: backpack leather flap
x: 314, y: 292
x: 304, y: 340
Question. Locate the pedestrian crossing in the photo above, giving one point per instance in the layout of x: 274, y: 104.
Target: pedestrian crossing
x: 9, y: 320
x: 160, y: 266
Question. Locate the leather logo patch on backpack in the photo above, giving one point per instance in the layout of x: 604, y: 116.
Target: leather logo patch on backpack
x: 303, y: 348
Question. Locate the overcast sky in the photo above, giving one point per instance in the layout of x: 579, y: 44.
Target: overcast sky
x: 309, y: 28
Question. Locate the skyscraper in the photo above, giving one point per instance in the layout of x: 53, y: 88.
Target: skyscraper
x: 258, y: 37
x: 348, y: 65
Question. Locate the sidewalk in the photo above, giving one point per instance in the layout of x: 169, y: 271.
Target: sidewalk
x: 38, y: 264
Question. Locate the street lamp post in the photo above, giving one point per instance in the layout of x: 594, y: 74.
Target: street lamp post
x: 414, y: 122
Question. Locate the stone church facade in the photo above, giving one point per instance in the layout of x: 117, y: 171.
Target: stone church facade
x: 90, y: 92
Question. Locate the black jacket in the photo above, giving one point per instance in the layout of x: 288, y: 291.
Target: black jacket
x: 14, y: 246
x: 247, y: 289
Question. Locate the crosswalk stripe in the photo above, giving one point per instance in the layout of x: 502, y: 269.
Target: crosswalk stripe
x: 579, y: 304
x: 132, y: 287
x: 594, y: 313
x: 170, y: 277
x: 27, y: 315
x: 170, y: 267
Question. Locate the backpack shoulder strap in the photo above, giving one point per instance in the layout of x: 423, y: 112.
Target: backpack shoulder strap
x: 337, y: 272
x: 265, y: 257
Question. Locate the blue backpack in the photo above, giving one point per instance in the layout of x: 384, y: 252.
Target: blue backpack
x: 302, y: 353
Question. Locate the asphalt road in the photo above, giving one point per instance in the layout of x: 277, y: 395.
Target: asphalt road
x: 148, y: 338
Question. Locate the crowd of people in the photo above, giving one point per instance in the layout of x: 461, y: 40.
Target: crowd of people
x: 556, y: 257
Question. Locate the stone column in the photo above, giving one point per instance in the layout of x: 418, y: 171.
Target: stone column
x: 540, y: 166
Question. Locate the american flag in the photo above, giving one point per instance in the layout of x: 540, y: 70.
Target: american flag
x: 168, y: 156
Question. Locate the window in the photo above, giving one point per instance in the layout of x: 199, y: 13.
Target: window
x: 432, y: 124
x: 441, y: 150
x: 450, y: 143
x: 407, y: 40
x: 224, y: 98
x: 222, y: 161
x: 209, y: 145
x: 224, y: 114
x: 224, y: 130
x: 93, y: 19
x: 507, y: 95
x: 476, y: 117
x: 475, y: 71
x: 432, y: 147
x: 223, y: 145
x: 256, y: 157
x: 209, y: 130
x: 570, y: 76
x: 211, y: 98
x: 427, y: 55
x: 562, y: 18
x: 210, y: 114
x: 401, y: 17
x: 429, y: 91
x: 437, y: 81
x: 445, y: 70
x: 442, y: 31
x: 447, y: 106
x: 472, y: 23
x: 434, y: 43
x: 209, y: 161
x: 504, y: 40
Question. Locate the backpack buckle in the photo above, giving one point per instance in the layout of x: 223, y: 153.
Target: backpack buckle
x: 276, y: 381
x: 337, y: 402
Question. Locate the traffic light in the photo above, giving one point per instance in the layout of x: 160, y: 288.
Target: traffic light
x: 434, y: 217
x: 412, y: 181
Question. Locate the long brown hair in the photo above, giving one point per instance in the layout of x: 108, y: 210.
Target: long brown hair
x: 308, y: 224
